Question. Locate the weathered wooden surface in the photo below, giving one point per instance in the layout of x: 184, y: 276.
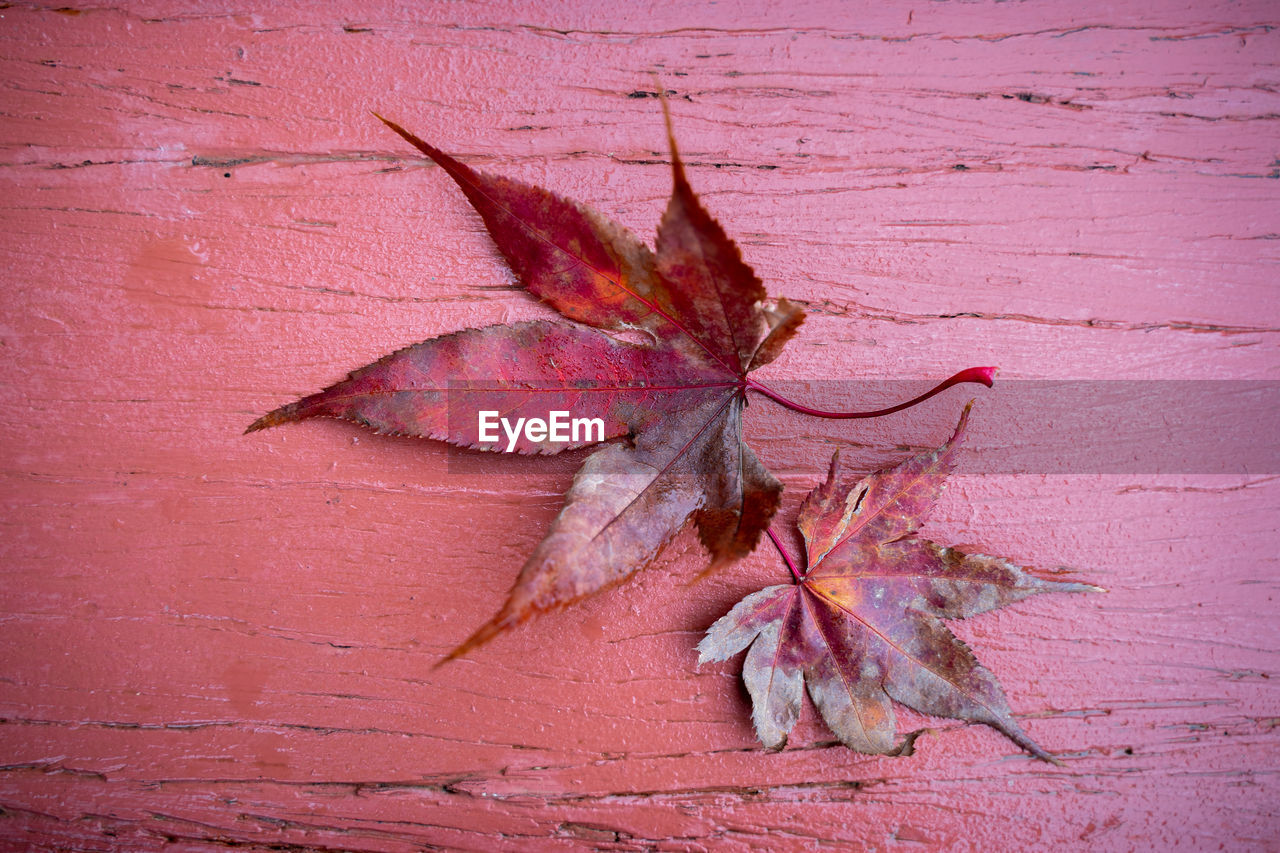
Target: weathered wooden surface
x: 213, y: 639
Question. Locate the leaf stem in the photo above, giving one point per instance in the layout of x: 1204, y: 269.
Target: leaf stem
x: 786, y: 558
x: 981, y: 375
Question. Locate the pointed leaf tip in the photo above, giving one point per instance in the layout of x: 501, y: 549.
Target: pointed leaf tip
x: 1073, y: 586
x: 482, y: 635
x: 676, y: 165
x: 282, y: 415
x: 957, y: 436
x: 425, y: 147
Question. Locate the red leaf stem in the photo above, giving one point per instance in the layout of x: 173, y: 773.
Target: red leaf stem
x: 981, y: 375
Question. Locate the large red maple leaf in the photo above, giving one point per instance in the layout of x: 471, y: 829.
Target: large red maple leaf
x: 863, y: 625
x: 677, y: 398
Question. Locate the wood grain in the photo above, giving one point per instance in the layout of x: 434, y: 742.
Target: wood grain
x: 211, y: 640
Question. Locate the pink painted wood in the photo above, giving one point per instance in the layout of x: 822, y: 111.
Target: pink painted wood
x: 212, y: 639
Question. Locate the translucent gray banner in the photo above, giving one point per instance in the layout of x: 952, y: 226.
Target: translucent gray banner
x: 1017, y: 427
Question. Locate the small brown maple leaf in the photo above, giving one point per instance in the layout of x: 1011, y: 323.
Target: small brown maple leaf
x: 863, y: 625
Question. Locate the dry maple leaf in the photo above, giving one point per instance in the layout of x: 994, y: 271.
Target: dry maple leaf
x: 678, y: 397
x: 863, y: 625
